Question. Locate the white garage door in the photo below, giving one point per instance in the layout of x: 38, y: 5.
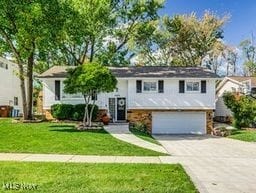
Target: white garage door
x: 178, y: 123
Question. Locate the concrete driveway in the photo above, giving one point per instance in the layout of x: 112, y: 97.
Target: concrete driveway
x: 214, y: 164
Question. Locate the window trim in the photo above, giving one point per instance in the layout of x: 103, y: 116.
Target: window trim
x: 150, y: 91
x: 193, y: 91
x: 16, y: 101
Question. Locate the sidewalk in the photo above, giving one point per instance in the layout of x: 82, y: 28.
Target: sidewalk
x: 122, y: 132
x: 26, y: 157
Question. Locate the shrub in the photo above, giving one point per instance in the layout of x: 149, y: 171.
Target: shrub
x: 243, y: 108
x: 79, y: 112
x: 62, y: 111
x: 140, y: 126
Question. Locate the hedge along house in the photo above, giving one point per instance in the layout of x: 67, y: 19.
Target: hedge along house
x: 169, y: 100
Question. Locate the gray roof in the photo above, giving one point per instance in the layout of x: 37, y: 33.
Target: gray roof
x: 143, y: 71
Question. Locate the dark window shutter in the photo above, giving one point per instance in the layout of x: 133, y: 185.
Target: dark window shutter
x: 181, y: 86
x: 94, y: 96
x: 161, y: 86
x: 138, y: 86
x: 203, y: 86
x: 57, y: 90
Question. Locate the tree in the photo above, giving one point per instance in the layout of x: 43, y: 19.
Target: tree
x: 89, y: 79
x: 185, y: 40
x: 249, y: 52
x: 26, y: 28
x: 230, y: 56
x: 222, y: 59
x: 243, y: 108
x: 103, y: 30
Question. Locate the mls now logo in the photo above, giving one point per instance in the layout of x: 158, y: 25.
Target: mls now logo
x: 19, y: 186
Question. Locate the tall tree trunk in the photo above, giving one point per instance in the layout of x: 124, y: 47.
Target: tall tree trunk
x: 30, y: 86
x: 85, y: 111
x: 90, y: 117
x: 23, y: 90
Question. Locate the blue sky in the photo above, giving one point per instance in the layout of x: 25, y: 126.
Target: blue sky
x: 241, y: 24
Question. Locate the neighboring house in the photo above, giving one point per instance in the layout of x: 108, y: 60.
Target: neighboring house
x: 10, y: 94
x: 169, y: 100
x: 237, y: 84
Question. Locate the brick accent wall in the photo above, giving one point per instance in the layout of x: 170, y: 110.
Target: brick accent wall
x: 145, y: 116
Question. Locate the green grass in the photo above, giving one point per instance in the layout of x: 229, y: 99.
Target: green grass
x: 63, y: 139
x: 98, y: 178
x: 244, y: 135
x: 144, y: 136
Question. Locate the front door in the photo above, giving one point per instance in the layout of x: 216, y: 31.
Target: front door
x: 121, y: 109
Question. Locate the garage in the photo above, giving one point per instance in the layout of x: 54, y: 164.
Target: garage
x: 178, y: 123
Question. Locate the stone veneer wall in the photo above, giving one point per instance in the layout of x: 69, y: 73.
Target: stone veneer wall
x: 145, y: 116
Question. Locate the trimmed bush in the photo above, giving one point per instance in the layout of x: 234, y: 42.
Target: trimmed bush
x: 72, y: 112
x: 79, y: 112
x: 62, y: 111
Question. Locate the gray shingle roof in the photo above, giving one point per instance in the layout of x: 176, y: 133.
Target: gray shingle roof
x: 143, y: 71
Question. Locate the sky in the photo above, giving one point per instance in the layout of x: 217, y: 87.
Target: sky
x: 242, y: 22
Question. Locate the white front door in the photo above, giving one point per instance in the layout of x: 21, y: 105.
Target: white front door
x: 178, y: 123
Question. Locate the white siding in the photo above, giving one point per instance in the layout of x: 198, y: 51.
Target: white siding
x: 221, y: 109
x: 102, y: 99
x: 10, y: 85
x: 171, y: 98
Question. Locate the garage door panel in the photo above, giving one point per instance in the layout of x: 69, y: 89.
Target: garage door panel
x: 178, y: 123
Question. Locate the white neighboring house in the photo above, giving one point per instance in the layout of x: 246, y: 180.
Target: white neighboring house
x: 169, y: 100
x: 10, y: 94
x: 238, y: 84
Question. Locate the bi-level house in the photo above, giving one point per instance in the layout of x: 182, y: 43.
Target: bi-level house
x: 10, y: 94
x: 169, y: 100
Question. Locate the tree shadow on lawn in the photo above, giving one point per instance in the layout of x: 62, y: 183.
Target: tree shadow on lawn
x: 72, y: 129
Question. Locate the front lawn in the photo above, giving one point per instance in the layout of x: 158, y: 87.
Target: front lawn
x: 244, y: 135
x: 63, y: 139
x: 97, y: 178
x: 144, y: 136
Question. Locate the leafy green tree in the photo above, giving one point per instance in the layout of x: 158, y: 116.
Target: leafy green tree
x: 249, y: 52
x: 243, y: 108
x: 27, y: 28
x: 89, y: 79
x: 184, y: 40
x: 103, y: 30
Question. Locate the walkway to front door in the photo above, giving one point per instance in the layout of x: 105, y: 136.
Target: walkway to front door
x: 122, y: 132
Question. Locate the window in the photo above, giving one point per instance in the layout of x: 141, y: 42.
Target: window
x: 149, y: 86
x: 192, y: 86
x: 3, y: 65
x: 233, y: 89
x: 16, y: 101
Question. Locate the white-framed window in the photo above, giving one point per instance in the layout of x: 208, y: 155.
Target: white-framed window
x: 233, y: 89
x: 69, y: 96
x: 3, y: 65
x: 16, y: 101
x: 192, y: 86
x: 149, y: 86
